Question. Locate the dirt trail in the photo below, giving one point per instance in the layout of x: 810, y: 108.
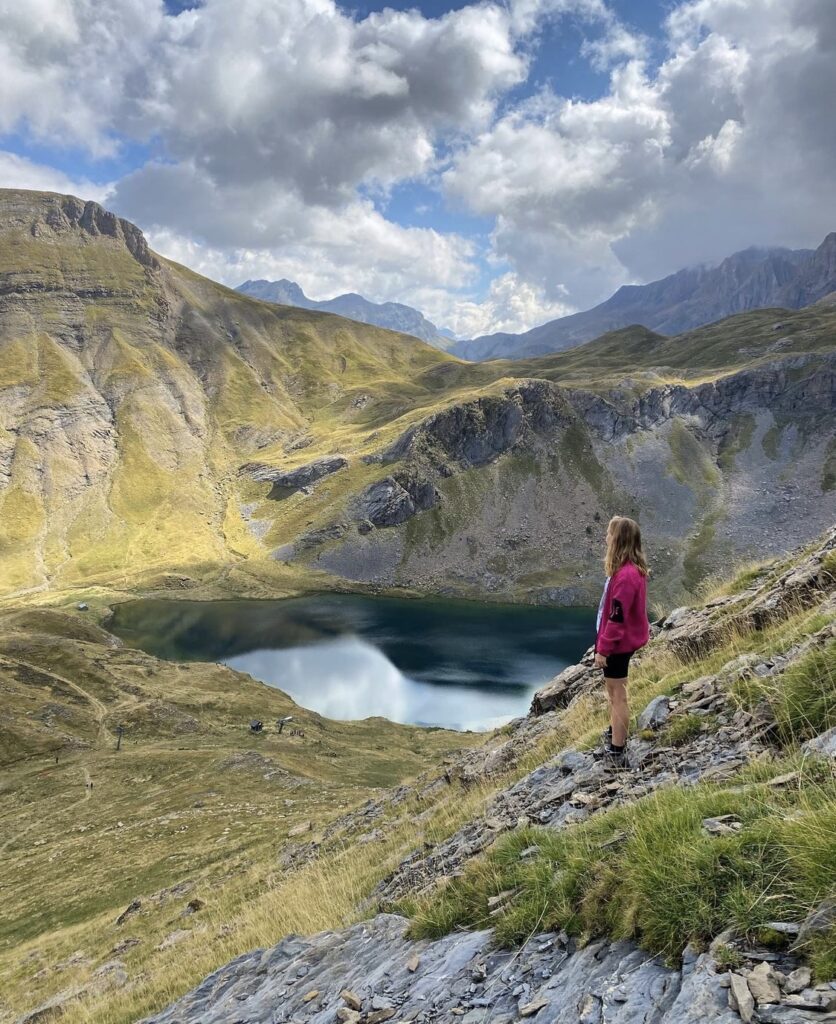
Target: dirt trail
x: 99, y: 708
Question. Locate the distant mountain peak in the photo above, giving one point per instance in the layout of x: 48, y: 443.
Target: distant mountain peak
x: 393, y: 315
x: 753, y: 278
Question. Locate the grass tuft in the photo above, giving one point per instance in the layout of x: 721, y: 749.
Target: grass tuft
x: 650, y: 872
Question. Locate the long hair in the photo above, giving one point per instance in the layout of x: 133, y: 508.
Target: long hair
x: 624, y: 544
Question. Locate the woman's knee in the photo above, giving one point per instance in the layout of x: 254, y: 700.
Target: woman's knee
x: 617, y: 690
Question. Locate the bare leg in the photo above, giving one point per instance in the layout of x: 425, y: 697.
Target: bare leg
x: 619, y: 710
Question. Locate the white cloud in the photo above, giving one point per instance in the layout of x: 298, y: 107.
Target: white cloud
x: 320, y: 248
x: 18, y: 172
x: 512, y: 305
x: 70, y: 69
x: 729, y: 142
x: 274, y: 120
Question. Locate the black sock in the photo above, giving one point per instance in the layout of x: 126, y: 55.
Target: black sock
x: 617, y: 749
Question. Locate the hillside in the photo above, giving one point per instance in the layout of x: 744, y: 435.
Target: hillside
x: 184, y: 823
x: 159, y: 432
x: 395, y: 316
x: 533, y: 875
x: 748, y: 280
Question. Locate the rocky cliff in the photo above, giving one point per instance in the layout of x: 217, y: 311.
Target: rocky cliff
x: 752, y: 279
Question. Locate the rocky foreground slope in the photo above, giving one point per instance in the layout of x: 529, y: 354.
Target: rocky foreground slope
x: 159, y: 432
x: 720, y: 727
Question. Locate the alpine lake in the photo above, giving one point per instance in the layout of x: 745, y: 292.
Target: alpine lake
x: 456, y: 664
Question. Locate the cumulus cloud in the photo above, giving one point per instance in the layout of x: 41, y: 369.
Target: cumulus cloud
x: 18, y: 172
x: 511, y: 305
x: 729, y: 142
x: 275, y: 124
x: 320, y: 249
x: 70, y: 70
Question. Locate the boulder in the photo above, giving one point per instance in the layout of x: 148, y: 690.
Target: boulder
x: 655, y: 714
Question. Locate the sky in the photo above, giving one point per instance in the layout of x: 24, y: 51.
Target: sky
x: 495, y: 164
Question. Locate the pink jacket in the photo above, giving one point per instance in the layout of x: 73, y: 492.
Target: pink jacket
x: 624, y: 627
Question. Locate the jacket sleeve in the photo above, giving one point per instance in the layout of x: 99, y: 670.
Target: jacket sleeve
x: 614, y: 628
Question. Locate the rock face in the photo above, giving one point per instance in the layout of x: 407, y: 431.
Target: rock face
x: 395, y: 499
x: 751, y: 279
x: 528, y: 476
x: 285, y: 482
x: 393, y: 315
x: 459, y: 977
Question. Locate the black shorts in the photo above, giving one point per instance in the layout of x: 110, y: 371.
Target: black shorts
x: 617, y: 665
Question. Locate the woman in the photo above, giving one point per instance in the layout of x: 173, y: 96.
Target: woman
x: 622, y: 628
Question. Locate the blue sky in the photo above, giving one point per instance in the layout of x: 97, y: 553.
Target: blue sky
x: 495, y: 164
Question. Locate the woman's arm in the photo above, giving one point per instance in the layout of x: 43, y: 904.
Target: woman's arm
x: 614, y: 629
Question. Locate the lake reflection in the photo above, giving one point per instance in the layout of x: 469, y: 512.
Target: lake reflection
x: 461, y: 665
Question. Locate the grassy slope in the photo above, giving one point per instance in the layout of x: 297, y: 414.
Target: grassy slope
x: 192, y: 799
x: 648, y: 871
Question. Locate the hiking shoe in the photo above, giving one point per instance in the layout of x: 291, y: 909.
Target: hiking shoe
x: 610, y: 757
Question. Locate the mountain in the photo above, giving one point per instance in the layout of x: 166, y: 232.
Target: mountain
x: 752, y: 279
x: 160, y: 431
x: 392, y: 315
x: 161, y: 435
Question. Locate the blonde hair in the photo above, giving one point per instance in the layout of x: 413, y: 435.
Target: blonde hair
x: 624, y: 544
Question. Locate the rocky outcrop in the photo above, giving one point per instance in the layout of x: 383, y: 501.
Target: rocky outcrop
x: 476, y: 433
x: 375, y: 968
x: 286, y: 481
x: 393, y: 500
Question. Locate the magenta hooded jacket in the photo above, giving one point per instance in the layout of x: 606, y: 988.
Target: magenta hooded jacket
x: 624, y: 627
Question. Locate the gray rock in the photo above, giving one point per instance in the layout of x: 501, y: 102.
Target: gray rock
x: 740, y: 998
x: 818, y: 921
x: 395, y: 499
x: 763, y: 984
x: 823, y: 745
x: 285, y: 482
x: 655, y: 714
x: 419, y: 977
x: 798, y: 980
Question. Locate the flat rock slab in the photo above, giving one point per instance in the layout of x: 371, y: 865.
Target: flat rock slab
x: 459, y: 976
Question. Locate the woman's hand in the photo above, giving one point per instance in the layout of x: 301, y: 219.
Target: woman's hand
x: 600, y: 660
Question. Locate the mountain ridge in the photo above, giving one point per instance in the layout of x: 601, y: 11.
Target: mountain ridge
x: 394, y: 316
x: 753, y: 278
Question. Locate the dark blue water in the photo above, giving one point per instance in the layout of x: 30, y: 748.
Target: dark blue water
x: 461, y: 665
